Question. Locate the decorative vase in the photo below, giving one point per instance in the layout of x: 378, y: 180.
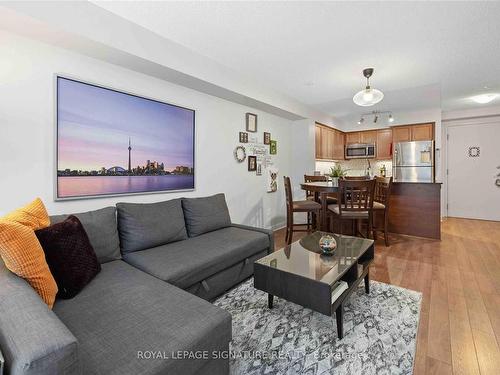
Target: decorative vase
x: 327, y: 244
x: 335, y: 181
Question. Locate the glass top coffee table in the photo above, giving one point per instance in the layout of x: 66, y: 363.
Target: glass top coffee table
x: 300, y: 273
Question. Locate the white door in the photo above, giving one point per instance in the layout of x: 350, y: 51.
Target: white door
x: 474, y: 171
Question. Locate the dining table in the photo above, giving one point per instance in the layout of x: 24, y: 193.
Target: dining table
x: 321, y: 189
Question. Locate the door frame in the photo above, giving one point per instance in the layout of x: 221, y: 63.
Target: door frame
x: 452, y: 123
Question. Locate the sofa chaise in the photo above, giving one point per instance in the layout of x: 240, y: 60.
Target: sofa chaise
x: 148, y: 310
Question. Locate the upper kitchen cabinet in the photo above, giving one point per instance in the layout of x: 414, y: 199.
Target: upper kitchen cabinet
x: 352, y: 138
x: 325, y: 149
x: 384, y: 143
x: 422, y: 132
x: 369, y: 136
x: 401, y: 134
x: 339, y: 144
x: 418, y: 132
x: 329, y: 143
x: 318, y: 142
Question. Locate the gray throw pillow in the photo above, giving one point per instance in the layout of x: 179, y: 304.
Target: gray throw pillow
x: 145, y: 225
x: 101, y: 228
x: 205, y: 214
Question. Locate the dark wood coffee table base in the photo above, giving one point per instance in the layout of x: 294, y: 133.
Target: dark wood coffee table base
x: 339, y: 303
x: 278, y: 275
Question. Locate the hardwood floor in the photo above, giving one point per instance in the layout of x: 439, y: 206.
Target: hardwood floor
x: 459, y: 277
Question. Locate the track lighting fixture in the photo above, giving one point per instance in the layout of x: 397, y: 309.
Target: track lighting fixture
x: 376, y: 116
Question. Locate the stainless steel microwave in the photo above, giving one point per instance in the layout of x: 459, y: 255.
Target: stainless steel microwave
x: 360, y: 151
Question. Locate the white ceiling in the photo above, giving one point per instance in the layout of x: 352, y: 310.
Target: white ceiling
x: 425, y: 54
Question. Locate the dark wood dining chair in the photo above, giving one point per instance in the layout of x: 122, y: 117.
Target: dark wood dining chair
x: 382, y: 194
x: 292, y: 206
x: 356, y: 178
x: 355, y: 203
x: 315, y: 178
x: 332, y: 198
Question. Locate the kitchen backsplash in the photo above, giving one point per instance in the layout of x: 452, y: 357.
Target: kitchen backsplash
x: 356, y: 167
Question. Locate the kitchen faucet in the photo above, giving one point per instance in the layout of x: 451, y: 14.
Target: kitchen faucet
x: 368, y: 171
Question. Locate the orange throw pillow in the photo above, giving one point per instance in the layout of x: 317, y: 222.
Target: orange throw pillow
x: 21, y: 251
x: 33, y: 215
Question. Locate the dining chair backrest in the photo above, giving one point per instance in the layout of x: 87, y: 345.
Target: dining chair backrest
x: 288, y: 192
x: 383, y: 186
x: 309, y: 178
x: 356, y: 195
x: 362, y: 178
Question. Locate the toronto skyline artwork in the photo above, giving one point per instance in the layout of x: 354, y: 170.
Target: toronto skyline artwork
x: 110, y: 142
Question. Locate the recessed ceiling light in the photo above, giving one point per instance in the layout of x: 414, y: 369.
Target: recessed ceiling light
x: 484, y: 98
x: 391, y: 119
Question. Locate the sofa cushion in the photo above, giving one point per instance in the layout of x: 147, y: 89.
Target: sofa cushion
x: 70, y: 255
x: 33, y: 339
x: 145, y: 225
x: 205, y: 214
x: 187, y: 262
x: 124, y: 312
x: 102, y: 230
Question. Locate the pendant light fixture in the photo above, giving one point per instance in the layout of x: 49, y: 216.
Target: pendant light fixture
x: 368, y: 96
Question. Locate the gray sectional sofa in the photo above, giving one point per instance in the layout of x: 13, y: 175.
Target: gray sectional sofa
x: 161, y: 264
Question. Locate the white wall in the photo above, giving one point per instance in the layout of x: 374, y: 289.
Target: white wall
x: 27, y: 134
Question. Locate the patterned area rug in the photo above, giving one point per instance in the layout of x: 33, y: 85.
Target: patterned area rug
x: 380, y: 332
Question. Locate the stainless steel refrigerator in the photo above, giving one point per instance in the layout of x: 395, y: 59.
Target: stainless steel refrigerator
x: 413, y: 161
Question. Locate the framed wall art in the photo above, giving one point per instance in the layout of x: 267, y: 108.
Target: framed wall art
x: 251, y: 121
x: 273, y: 147
x: 111, y: 142
x: 243, y: 137
x: 252, y: 163
x: 267, y: 138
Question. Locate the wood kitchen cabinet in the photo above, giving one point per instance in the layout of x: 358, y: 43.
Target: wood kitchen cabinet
x: 422, y: 132
x: 417, y: 132
x: 324, y: 143
x: 369, y: 136
x: 401, y: 134
x: 352, y: 138
x: 317, y: 138
x: 384, y: 144
x: 339, y: 143
x: 329, y: 143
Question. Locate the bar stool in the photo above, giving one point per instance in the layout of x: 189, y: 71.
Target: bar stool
x: 292, y: 206
x: 355, y: 203
x: 383, y: 186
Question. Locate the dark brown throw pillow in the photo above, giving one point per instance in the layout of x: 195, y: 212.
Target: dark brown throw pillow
x: 70, y: 256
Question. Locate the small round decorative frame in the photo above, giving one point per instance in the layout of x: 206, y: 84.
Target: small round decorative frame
x: 240, y: 154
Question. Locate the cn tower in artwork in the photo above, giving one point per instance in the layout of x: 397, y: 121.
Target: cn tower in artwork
x: 129, y: 161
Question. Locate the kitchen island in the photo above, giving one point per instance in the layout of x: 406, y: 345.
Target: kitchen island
x: 415, y: 209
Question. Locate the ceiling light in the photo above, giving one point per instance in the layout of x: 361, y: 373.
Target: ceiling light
x: 484, y: 98
x: 361, y: 120
x: 375, y: 119
x: 368, y: 96
x: 391, y: 119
